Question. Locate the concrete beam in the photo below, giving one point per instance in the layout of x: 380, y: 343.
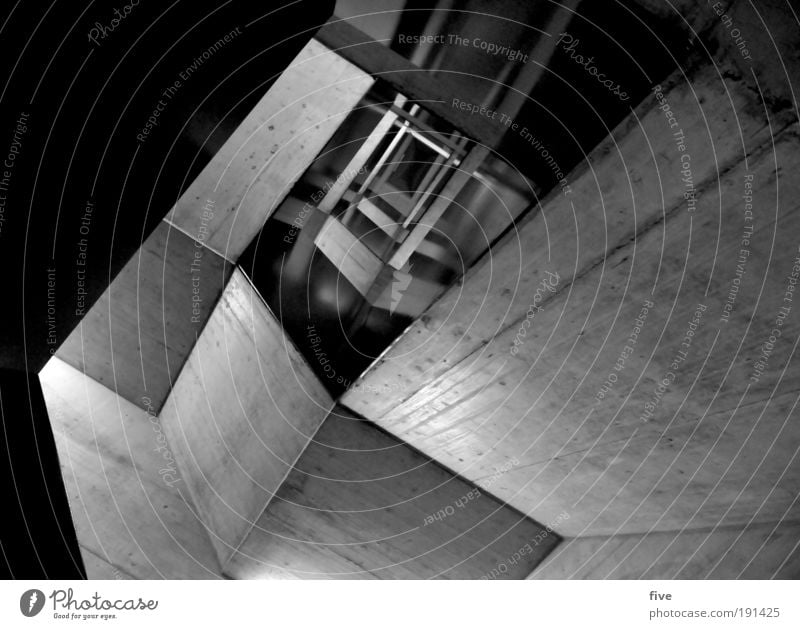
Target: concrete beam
x: 629, y: 182
x: 137, y: 336
x: 433, y: 93
x: 244, y: 184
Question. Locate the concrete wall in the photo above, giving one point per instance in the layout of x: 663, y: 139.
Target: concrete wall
x: 764, y: 551
x: 680, y: 232
x: 133, y: 515
x: 240, y: 414
x: 360, y: 504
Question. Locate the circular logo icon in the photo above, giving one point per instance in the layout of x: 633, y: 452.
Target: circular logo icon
x: 31, y: 602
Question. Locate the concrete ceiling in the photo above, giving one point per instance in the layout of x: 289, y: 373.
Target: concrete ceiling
x: 514, y: 364
x: 537, y: 379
